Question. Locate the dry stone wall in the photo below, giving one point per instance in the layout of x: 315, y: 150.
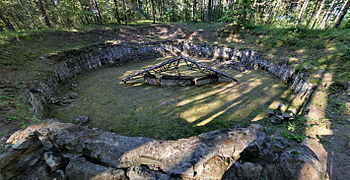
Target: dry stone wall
x: 109, y: 54
x: 54, y: 150
x: 65, y: 151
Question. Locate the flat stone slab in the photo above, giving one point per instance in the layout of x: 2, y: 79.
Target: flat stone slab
x: 240, y: 153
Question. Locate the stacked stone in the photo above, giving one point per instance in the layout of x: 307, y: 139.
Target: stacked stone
x: 108, y: 54
x: 54, y: 150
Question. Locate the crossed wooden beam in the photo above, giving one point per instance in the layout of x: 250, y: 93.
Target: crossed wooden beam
x: 173, y: 65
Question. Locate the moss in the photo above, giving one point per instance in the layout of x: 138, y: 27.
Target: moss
x: 295, y: 153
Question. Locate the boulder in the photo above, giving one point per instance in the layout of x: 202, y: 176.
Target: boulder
x: 52, y: 161
x: 286, y: 116
x: 249, y: 171
x: 80, y: 120
x: 142, y: 172
x: 72, y: 95
x: 270, y: 113
x: 80, y: 168
x: 297, y: 164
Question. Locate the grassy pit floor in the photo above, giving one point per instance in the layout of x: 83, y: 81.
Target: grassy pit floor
x: 138, y: 109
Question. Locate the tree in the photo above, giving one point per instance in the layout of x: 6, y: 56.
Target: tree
x: 153, y: 11
x: 125, y: 12
x: 7, y: 23
x: 194, y: 11
x: 342, y: 14
x: 44, y: 13
x: 317, y: 3
x: 328, y: 14
x: 302, y: 11
x: 116, y: 6
x: 96, y: 10
x: 208, y: 17
x: 318, y: 13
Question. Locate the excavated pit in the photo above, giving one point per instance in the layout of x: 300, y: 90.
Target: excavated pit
x: 56, y: 150
x: 164, y: 112
x: 169, y: 110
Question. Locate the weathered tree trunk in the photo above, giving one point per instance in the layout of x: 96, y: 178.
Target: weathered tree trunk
x: 44, y: 13
x: 117, y: 16
x: 302, y: 11
x: 318, y: 13
x: 342, y: 13
x: 7, y: 23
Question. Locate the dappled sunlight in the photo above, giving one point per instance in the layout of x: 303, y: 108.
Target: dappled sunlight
x: 139, y: 109
x: 223, y: 89
x: 234, y: 38
x: 113, y: 42
x: 331, y: 48
x: 259, y: 117
x: 299, y: 51
x: 212, y: 117
x: 196, y: 35
x: 197, y: 112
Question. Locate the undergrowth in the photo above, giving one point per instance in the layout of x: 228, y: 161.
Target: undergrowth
x: 305, y: 49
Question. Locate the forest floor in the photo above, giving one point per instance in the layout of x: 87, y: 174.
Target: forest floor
x: 310, y: 51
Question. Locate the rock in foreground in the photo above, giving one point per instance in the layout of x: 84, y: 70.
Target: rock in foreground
x: 67, y: 151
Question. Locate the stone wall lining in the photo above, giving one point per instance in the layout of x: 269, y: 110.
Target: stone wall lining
x: 109, y: 54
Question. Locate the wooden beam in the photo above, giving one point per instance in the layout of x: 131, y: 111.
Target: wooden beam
x: 174, y: 62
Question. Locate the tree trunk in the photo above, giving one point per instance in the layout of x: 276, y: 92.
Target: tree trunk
x: 302, y: 11
x: 273, y: 12
x: 125, y: 11
x: 94, y: 6
x: 208, y: 18
x: 117, y: 11
x: 342, y: 13
x: 328, y: 14
x: 313, y: 12
x: 25, y: 5
x: 163, y: 9
x: 194, y: 11
x: 44, y: 13
x: 318, y: 13
x: 83, y: 7
x: 7, y: 23
x: 153, y: 11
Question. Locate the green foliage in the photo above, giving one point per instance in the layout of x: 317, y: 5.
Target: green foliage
x: 237, y: 12
x: 293, y: 136
x: 346, y: 22
x: 28, y: 14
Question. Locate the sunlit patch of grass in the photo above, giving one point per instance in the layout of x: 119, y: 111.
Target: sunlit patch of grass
x: 169, y: 112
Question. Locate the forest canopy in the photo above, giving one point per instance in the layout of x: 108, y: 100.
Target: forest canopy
x: 37, y: 14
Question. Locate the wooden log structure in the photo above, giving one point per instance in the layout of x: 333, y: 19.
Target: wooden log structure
x: 173, y: 64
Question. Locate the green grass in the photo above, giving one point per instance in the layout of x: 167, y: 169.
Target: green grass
x: 137, y: 109
x: 316, y: 49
